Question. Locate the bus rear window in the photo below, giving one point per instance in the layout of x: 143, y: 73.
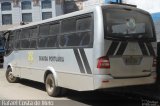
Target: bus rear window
x: 127, y: 23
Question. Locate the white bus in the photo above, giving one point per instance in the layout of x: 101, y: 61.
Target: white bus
x: 102, y: 47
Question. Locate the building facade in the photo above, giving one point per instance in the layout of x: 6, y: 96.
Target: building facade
x: 16, y: 11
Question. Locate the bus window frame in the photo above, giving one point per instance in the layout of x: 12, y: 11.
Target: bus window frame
x: 58, y: 46
x: 18, y: 40
x: 48, y: 23
x: 90, y: 44
x: 8, y: 50
x: 29, y: 38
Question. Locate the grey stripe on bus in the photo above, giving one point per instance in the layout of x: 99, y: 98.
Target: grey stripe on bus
x: 143, y: 48
x: 79, y: 61
x: 85, y: 60
x: 122, y: 48
x: 112, y: 48
x: 150, y: 48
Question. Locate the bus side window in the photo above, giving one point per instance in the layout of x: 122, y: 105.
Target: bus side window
x: 24, y: 38
x: 85, y: 39
x: 52, y: 41
x: 33, y: 37
x: 9, y: 44
x: 25, y: 33
x: 25, y: 43
x: 33, y: 32
x: 84, y: 27
x: 64, y: 40
x: 17, y: 41
x: 76, y: 32
x: 74, y: 40
x: 84, y: 24
x: 42, y: 42
x: 54, y: 29
x: 68, y: 25
x: 68, y: 37
x: 44, y: 30
x: 33, y: 43
x: 43, y: 35
x: 53, y: 33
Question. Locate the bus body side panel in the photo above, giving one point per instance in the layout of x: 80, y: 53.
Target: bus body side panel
x: 76, y: 69
x: 29, y: 65
x: 11, y: 60
x: 68, y: 68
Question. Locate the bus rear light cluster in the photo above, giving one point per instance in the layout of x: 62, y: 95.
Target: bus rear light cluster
x: 103, y: 62
x: 154, y: 62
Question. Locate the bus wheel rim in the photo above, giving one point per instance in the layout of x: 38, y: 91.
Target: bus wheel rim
x: 10, y: 76
x: 50, y: 85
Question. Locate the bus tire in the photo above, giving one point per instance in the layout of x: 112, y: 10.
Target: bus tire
x: 51, y: 87
x: 9, y: 76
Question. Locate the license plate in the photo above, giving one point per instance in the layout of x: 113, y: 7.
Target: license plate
x: 132, y: 60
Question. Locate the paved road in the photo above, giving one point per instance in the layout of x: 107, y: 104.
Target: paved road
x: 30, y: 90
x: 18, y: 90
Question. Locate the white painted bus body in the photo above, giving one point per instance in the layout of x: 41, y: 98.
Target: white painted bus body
x: 76, y: 67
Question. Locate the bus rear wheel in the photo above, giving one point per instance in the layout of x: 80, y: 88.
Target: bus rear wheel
x: 10, y: 77
x: 51, y: 87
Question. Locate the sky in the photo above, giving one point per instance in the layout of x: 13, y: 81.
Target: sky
x: 151, y: 6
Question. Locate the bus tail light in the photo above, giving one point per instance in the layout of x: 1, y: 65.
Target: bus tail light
x: 154, y: 62
x: 103, y: 62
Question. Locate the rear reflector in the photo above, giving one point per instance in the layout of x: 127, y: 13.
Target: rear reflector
x: 105, y: 81
x: 154, y: 62
x: 103, y: 62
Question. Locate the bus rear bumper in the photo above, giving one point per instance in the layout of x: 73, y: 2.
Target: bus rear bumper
x: 106, y: 81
